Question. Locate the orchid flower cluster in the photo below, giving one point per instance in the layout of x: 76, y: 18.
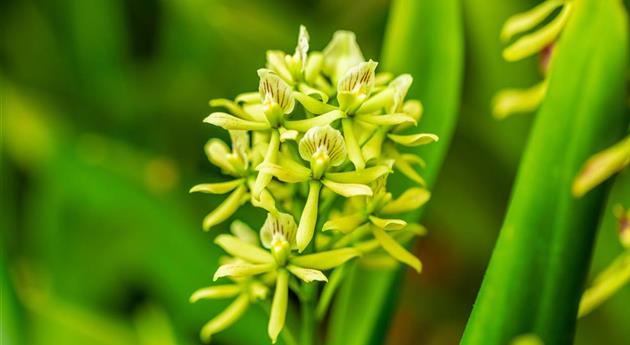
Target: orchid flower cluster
x: 534, y: 40
x: 314, y: 148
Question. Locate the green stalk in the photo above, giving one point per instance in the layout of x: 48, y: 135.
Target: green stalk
x: 423, y: 38
x: 307, y: 309
x: 538, y: 268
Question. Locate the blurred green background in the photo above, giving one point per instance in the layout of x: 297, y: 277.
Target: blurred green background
x: 101, y: 105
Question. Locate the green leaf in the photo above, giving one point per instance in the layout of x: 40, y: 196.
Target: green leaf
x: 546, y: 239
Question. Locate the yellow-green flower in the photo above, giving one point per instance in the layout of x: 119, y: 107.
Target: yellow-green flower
x: 373, y: 215
x: 541, y: 40
x: 278, y: 236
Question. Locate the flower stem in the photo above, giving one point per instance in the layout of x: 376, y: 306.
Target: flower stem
x: 308, y: 320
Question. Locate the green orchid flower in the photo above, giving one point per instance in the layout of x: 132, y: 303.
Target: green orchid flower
x: 324, y: 149
x: 237, y: 163
x: 278, y: 236
x: 385, y: 138
x: 373, y: 214
x: 510, y: 101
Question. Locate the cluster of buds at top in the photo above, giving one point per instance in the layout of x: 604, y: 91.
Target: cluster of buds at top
x: 315, y: 144
x: 534, y: 40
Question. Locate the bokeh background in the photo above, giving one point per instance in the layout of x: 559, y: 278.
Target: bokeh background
x: 101, y: 105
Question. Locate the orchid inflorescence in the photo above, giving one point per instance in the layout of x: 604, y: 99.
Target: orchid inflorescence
x: 323, y: 125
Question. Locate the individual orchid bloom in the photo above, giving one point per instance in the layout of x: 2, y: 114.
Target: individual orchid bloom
x: 616, y: 275
x: 278, y: 103
x: 601, y: 166
x: 385, y: 138
x: 278, y: 236
x: 541, y: 41
x: 324, y: 149
x: 353, y: 91
x: 340, y: 55
x: 245, y: 291
x: 373, y: 214
x: 237, y: 163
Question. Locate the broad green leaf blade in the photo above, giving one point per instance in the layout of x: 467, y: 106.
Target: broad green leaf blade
x: 547, y: 236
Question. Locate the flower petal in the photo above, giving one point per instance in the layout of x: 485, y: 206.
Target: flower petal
x: 396, y: 250
x: 317, y: 121
x: 274, y: 90
x: 388, y: 224
x: 218, y: 291
x: 606, y: 284
x: 414, y: 139
x: 387, y: 119
x: 601, y: 166
x: 217, y: 188
x: 364, y: 176
x: 358, y: 79
x: 313, y: 105
x: 511, y: 101
x: 232, y: 107
x: 244, y: 232
x: 409, y: 200
x: 340, y: 54
x: 307, y: 274
x: 242, y: 270
x: 325, y: 260
x: 279, y: 305
x: 225, y: 209
x: 308, y: 219
x: 241, y: 249
x: 345, y: 224
x: 354, y: 150
x: 217, y: 152
x: 283, y: 174
x: 323, y: 139
x: 229, y: 122
x: 533, y: 43
x: 226, y: 318
x: 347, y: 189
x: 276, y: 62
x: 526, y: 21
